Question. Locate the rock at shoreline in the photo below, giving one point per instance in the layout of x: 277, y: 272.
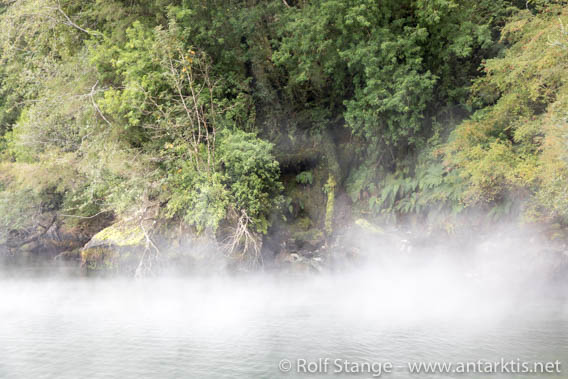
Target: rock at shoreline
x: 115, y: 248
x: 127, y: 248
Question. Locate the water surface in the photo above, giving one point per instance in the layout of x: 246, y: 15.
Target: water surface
x: 242, y: 327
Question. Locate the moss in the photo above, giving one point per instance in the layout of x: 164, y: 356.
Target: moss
x: 302, y: 232
x: 330, y: 150
x: 369, y: 227
x: 121, y: 234
x: 303, y: 223
x: 98, y: 258
x: 115, y: 248
x: 329, y: 189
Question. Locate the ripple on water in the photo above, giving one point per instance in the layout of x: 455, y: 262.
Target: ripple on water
x: 242, y: 328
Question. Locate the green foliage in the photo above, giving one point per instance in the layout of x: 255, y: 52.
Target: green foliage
x: 514, y: 146
x: 248, y: 181
x: 305, y: 177
x: 16, y: 209
x: 362, y: 180
x: 141, y: 111
x: 28, y: 191
x: 108, y: 106
x: 252, y: 174
x: 381, y: 65
x: 201, y: 200
x: 429, y: 188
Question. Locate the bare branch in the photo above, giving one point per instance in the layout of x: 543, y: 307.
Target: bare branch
x: 243, y: 243
x: 84, y: 217
x: 92, y: 96
x: 71, y: 23
x: 145, y: 265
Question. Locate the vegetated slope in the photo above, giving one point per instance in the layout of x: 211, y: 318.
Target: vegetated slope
x: 277, y: 120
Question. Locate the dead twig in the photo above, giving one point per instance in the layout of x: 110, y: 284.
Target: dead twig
x: 71, y: 23
x: 92, y: 96
x: 151, y: 253
x: 243, y: 243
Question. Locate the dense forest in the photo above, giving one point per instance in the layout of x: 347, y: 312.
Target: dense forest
x: 258, y: 124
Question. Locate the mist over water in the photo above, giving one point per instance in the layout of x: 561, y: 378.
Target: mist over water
x: 495, y: 300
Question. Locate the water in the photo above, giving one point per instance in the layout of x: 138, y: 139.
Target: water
x: 242, y: 327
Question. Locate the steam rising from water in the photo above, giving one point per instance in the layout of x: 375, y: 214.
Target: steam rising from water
x: 491, y: 302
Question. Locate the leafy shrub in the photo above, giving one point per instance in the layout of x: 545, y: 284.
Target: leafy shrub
x: 514, y: 146
x: 252, y: 174
x: 305, y: 177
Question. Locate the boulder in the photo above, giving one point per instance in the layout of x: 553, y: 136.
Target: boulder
x: 129, y: 248
x: 117, y: 248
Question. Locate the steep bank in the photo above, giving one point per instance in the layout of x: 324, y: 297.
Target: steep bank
x: 267, y: 130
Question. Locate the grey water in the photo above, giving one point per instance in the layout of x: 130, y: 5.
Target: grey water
x: 244, y: 326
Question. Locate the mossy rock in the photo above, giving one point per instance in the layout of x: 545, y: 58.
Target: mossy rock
x: 116, y: 248
x: 122, y: 234
x: 368, y: 227
x: 303, y: 233
x: 98, y: 258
